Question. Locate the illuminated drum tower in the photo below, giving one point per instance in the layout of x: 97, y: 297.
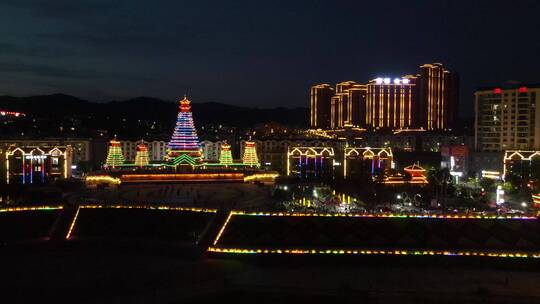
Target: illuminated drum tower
x: 183, y: 149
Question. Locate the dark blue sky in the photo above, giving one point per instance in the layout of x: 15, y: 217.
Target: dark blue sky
x: 257, y: 53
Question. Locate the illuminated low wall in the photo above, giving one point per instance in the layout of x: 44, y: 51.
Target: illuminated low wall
x: 187, y: 177
x: 378, y: 234
x: 117, y: 222
x: 28, y: 223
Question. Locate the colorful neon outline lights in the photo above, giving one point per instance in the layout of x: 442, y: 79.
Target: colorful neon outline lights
x: 225, y: 156
x: 480, y: 253
x: 141, y: 157
x: 250, y: 155
x: 386, y: 215
x: 149, y: 178
x: 184, y: 138
x: 149, y: 207
x: 503, y: 254
x: 37, y: 208
x: 73, y: 223
x: 115, y: 158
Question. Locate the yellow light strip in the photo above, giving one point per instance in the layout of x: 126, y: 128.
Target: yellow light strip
x: 103, y: 179
x: 148, y: 207
x: 15, y: 209
x: 223, y: 228
x: 72, y: 226
x: 7, y: 168
x: 68, y: 235
x: 259, y: 176
x: 500, y: 254
x: 383, y: 215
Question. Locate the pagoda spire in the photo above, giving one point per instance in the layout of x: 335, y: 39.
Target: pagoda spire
x: 115, y: 158
x: 250, y: 154
x: 141, y: 157
x: 184, y: 140
x: 225, y: 156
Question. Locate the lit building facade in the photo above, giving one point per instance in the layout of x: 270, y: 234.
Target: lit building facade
x: 359, y: 160
x: 211, y: 150
x: 427, y: 100
x: 81, y: 147
x: 157, y: 149
x: 273, y: 155
x: 524, y: 164
x: 348, y: 105
x: 456, y: 159
x: 507, y: 118
x: 33, y: 165
x: 438, y: 97
x: 391, y: 103
x: 321, y: 96
x: 310, y: 162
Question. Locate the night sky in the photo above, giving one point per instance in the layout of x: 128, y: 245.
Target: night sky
x: 257, y: 53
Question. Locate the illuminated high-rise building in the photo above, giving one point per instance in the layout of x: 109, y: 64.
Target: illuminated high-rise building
x: 391, y: 103
x: 321, y: 95
x: 507, y: 118
x: 348, y: 105
x: 438, y: 97
x: 356, y: 110
x: 427, y: 100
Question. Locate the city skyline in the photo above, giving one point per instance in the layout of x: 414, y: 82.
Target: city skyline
x: 280, y: 151
x: 101, y: 51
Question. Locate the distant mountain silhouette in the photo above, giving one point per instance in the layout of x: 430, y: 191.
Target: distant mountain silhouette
x: 149, y: 108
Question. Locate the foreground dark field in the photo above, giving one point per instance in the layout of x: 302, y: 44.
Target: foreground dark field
x: 137, y: 273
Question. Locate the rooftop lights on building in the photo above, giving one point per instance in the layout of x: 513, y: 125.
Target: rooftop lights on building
x: 497, y: 91
x: 387, y: 80
x: 522, y: 89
